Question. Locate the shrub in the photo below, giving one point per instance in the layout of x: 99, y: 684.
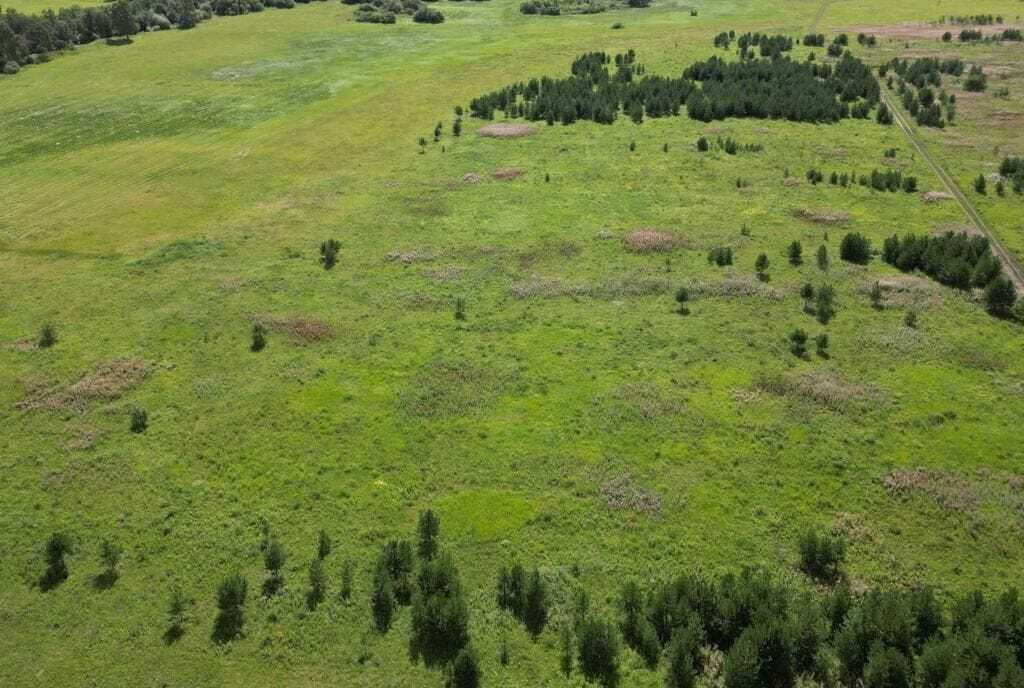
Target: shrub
x: 979, y: 184
x: 798, y: 343
x: 347, y: 571
x: 57, y: 546
x: 855, y: 248
x: 796, y: 252
x: 762, y: 657
x: 110, y: 557
x: 910, y: 319
x: 821, y: 555
x: 702, y: 144
x: 428, y: 15
x: 466, y: 670
x: 259, y: 337
x: 1000, y: 296
x: 976, y: 80
x: 428, y: 528
x: 440, y: 617
x: 329, y: 253
x: 598, y: 648
x: 47, y: 336
x: 682, y: 670
x: 761, y: 265
x: 824, y: 305
x: 317, y: 583
x: 821, y: 345
x: 382, y: 600
x: 682, y: 296
x: 397, y: 560
x: 323, y: 544
x: 807, y: 291
x: 139, y: 420
x: 822, y: 258
x: 230, y: 603
x: 274, y: 558
x: 887, y: 668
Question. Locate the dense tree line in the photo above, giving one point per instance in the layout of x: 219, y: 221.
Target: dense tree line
x: 889, y: 180
x: 387, y: 11
x: 1013, y: 169
x: 558, y: 7
x: 956, y: 260
x: 26, y: 39
x: 776, y: 88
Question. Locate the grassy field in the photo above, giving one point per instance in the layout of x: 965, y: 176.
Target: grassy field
x: 159, y: 197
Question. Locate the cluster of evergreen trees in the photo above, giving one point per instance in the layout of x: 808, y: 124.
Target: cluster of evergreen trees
x: 776, y: 88
x: 956, y: 260
x: 1013, y: 169
x: 889, y: 180
x: 974, y: 35
x: 26, y: 39
x: 387, y: 11
x: 980, y: 19
x: 924, y: 74
x: 558, y: 7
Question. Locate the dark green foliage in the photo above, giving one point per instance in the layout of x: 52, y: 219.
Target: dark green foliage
x: 460, y: 308
x: 824, y: 304
x: 274, y: 558
x: 822, y: 258
x: 761, y: 265
x: 976, y: 80
x: 139, y: 420
x: 1000, y: 297
x: 876, y: 296
x: 637, y: 631
x: 329, y: 253
x: 762, y: 657
x: 457, y: 127
x: 796, y: 253
x: 1013, y: 169
x: 535, y: 610
x: 503, y: 652
x: 323, y: 544
x: 682, y: 297
x: 259, y: 337
x: 888, y: 668
x: 382, y: 599
x: 466, y: 670
x: 427, y: 15
x: 702, y: 144
x: 598, y: 651
x: 47, y: 336
x: 855, y: 248
x: 396, y: 560
x: 317, y: 584
x: 979, y: 184
x: 880, y: 618
x: 720, y: 256
x: 347, y: 573
x: 565, y: 651
x: 821, y: 555
x: 440, y: 617
x: 512, y: 589
x: 910, y: 319
x: 798, y: 343
x: 230, y: 603
x: 956, y: 260
x: 711, y: 90
x: 821, y: 345
x: 807, y: 291
x: 682, y: 665
x: 427, y: 528
x: 57, y: 547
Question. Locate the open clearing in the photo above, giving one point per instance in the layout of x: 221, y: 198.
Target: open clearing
x: 160, y: 199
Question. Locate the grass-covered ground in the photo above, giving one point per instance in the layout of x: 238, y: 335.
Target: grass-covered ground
x: 160, y: 197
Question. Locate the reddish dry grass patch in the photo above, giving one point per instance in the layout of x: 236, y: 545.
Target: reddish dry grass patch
x: 651, y: 240
x: 106, y: 382
x: 949, y: 490
x: 503, y: 130
x: 471, y: 178
x: 300, y: 329
x: 820, y: 387
x: 936, y: 196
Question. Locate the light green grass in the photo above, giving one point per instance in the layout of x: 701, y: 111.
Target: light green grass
x: 160, y: 195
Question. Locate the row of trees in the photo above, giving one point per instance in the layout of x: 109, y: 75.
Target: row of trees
x: 889, y: 180
x: 924, y: 74
x: 387, y: 11
x: 26, y: 39
x: 777, y: 88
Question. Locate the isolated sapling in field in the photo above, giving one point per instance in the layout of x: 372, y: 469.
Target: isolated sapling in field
x: 57, y: 547
x: 259, y: 337
x: 139, y: 420
x: 47, y: 336
x: 798, y: 343
x: 329, y: 253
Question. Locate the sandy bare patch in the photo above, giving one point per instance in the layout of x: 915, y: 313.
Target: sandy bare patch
x: 299, y: 328
x: 820, y: 387
x: 651, y: 240
x: 822, y: 216
x: 936, y: 196
x: 505, y: 130
x: 507, y: 173
x: 105, y: 382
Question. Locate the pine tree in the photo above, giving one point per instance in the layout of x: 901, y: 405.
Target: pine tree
x: 429, y: 527
x: 796, y: 253
x: 382, y: 600
x: 535, y: 611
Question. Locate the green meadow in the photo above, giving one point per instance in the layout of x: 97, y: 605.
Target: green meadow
x: 159, y: 198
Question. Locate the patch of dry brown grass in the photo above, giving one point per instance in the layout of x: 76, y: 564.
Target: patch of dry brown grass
x: 299, y: 328
x: 106, y: 382
x: 506, y: 130
x: 820, y: 387
x: 936, y: 196
x: 652, y: 240
x: 732, y: 288
x: 623, y: 493
x: 822, y: 216
x: 507, y: 173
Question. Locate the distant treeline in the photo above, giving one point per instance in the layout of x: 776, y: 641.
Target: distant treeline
x: 27, y: 39
x: 775, y: 88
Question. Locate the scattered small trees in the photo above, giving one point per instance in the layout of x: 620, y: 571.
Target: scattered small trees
x: 329, y: 253
x: 910, y: 319
x: 855, y: 248
x: 57, y: 547
x: 460, y: 308
x: 230, y: 605
x: 720, y: 256
x: 525, y: 597
x: 976, y: 80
